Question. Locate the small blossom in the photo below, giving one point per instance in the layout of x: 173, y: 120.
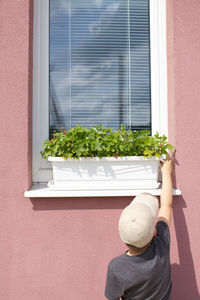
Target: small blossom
x: 51, y: 141
x: 65, y: 132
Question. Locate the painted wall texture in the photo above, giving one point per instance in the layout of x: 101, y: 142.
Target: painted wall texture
x: 59, y: 248
x: 183, y: 96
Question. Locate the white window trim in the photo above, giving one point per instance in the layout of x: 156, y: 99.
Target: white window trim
x: 42, y: 191
x: 42, y: 169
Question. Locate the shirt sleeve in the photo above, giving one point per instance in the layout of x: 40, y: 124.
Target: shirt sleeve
x: 163, y: 233
x: 112, y: 290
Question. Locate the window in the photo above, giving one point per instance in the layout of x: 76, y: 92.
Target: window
x: 99, y: 67
x: 97, y: 62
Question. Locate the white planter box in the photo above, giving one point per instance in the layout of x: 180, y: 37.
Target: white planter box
x: 131, y: 172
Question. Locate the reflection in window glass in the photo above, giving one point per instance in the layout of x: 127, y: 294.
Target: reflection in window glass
x: 99, y: 68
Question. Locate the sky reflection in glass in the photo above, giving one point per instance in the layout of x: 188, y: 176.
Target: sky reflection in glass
x: 99, y: 63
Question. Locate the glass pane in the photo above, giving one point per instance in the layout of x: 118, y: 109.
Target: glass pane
x: 99, y: 64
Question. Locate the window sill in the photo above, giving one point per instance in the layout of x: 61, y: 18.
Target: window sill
x: 42, y: 191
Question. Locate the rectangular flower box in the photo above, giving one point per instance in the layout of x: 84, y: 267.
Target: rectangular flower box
x: 131, y: 172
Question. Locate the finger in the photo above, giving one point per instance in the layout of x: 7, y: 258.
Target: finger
x: 163, y: 158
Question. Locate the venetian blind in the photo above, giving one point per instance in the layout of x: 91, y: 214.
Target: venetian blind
x: 99, y: 65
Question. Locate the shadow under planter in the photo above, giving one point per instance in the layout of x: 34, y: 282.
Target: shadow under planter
x: 80, y: 203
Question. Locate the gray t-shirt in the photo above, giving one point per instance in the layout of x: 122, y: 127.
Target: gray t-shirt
x: 142, y: 277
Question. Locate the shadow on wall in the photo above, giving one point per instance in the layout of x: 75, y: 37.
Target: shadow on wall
x: 183, y: 274
x: 80, y: 203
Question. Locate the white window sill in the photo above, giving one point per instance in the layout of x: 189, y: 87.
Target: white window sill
x: 42, y: 191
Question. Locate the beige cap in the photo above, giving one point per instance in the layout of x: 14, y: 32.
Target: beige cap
x: 137, y: 221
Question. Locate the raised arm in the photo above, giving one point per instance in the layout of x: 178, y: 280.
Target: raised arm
x: 166, y: 198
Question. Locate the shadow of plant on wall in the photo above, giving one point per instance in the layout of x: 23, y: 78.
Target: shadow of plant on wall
x: 183, y: 274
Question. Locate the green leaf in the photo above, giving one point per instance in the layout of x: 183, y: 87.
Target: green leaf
x: 147, y: 152
x: 144, y: 133
x: 80, y: 141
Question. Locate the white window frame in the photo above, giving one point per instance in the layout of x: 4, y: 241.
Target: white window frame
x: 42, y: 169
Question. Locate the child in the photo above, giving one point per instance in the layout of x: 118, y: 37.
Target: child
x: 144, y: 272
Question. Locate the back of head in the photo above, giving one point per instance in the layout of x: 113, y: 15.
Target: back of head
x: 137, y: 221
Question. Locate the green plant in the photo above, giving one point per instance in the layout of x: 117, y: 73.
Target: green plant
x: 98, y: 142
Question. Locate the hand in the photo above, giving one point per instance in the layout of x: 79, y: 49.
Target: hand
x: 167, y: 164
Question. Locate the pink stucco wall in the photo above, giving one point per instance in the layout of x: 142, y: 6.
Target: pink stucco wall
x: 184, y: 107
x: 59, y: 248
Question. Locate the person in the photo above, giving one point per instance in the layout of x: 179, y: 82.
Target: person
x: 144, y: 271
